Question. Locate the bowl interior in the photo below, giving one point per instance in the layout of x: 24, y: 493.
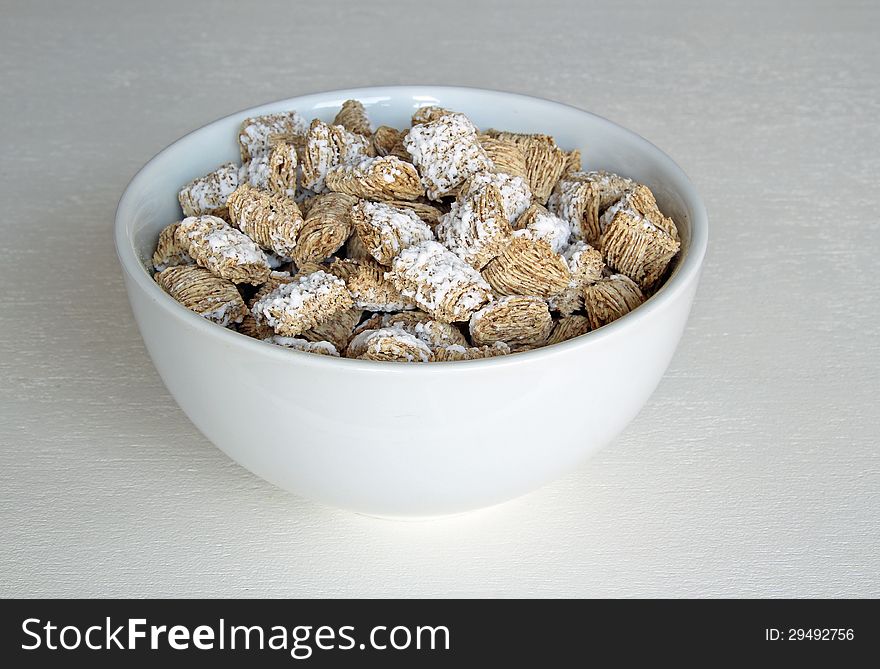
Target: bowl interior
x: 150, y: 201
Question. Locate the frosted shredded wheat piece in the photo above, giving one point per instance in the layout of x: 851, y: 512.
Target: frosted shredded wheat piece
x: 256, y: 133
x: 430, y: 113
x: 382, y: 178
x: 385, y: 230
x: 354, y: 249
x: 609, y: 299
x: 545, y: 161
x: 298, y: 344
x: 586, y: 267
x: 391, y: 344
x: 515, y: 194
x: 476, y: 229
x: 169, y: 252
x: 427, y: 212
x: 572, y: 162
x: 292, y: 308
x: 388, y: 141
x: 456, y: 352
x: 305, y: 202
x: 521, y: 321
x: 353, y: 117
x: 326, y: 227
x: 222, y: 249
x: 337, y: 330
x: 256, y: 171
x: 326, y: 147
x: 200, y: 291
x: 274, y: 280
x: 439, y: 282
x: 270, y: 219
x: 419, y: 324
x: 250, y: 328
x: 544, y: 166
x: 446, y: 152
x: 568, y: 328
x: 538, y: 223
x: 282, y: 170
x: 370, y: 290
x: 581, y: 197
x: 637, y: 240
x: 527, y: 267
x: 206, y: 196
x: 523, y: 139
x: 507, y: 156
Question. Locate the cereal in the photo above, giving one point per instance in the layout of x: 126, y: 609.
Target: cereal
x: 459, y: 352
x: 309, y: 268
x: 637, y: 240
x: 250, y: 328
x: 270, y: 219
x: 328, y: 146
x: 292, y: 308
x: 538, y: 223
x: 545, y: 161
x: 336, y: 330
x: 256, y: 133
x: 427, y: 212
x: 544, y: 165
x: 446, y: 152
x: 515, y: 194
x: 385, y: 230
x: 507, y: 156
x: 527, y: 267
x: 634, y: 245
x: 200, y: 291
x: 569, y: 327
x: 256, y: 171
x: 355, y: 250
x: 281, y: 169
x: 225, y: 251
x: 169, y: 252
x: 429, y: 113
x: 384, y: 244
x: 477, y: 227
x: 606, y: 300
x: 572, y: 162
x: 305, y: 202
x: 439, y: 282
x: 298, y: 344
x: 522, y: 139
x: 392, y: 344
x: 520, y: 321
x: 381, y: 178
x: 581, y: 197
x: 388, y: 141
x: 353, y: 117
x: 206, y: 196
x: 274, y: 280
x: 325, y: 229
x: 586, y: 267
x: 434, y: 333
x: 370, y: 290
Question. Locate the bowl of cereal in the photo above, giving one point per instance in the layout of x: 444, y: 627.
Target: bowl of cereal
x: 411, y: 301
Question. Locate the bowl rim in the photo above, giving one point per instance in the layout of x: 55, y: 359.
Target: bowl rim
x: 686, y: 272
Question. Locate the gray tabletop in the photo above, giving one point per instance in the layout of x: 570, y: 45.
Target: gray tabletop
x: 753, y: 470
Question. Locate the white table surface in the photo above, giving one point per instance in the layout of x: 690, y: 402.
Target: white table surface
x: 753, y: 470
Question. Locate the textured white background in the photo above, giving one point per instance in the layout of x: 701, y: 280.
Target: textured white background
x: 754, y: 469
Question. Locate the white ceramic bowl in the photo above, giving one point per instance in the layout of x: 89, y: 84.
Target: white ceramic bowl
x: 400, y: 439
